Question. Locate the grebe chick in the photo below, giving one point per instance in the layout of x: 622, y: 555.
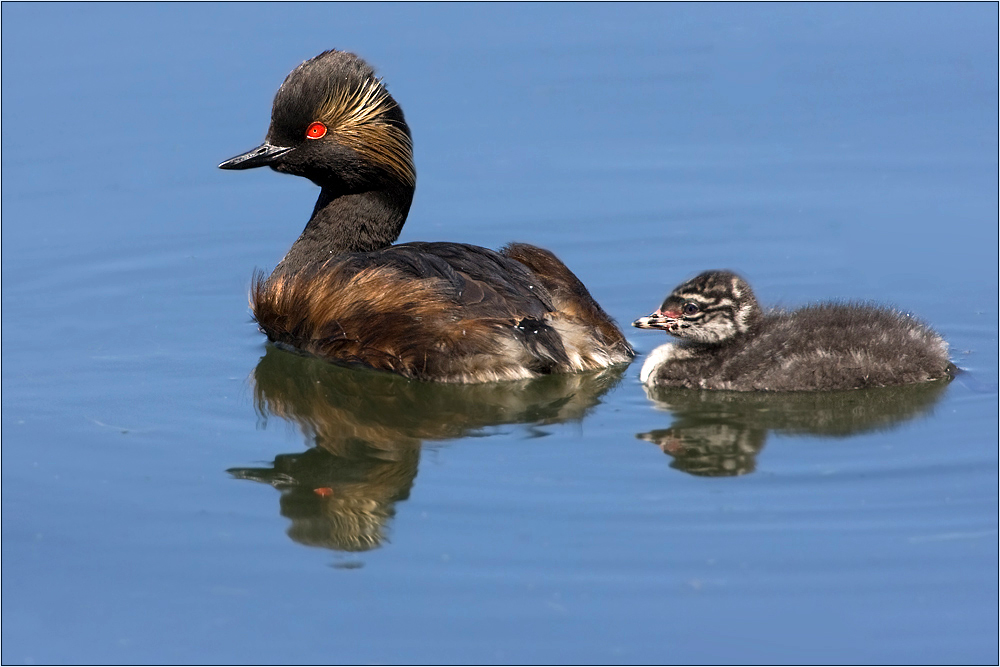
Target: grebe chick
x: 433, y: 311
x: 729, y: 342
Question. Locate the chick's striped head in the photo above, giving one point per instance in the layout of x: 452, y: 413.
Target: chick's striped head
x: 711, y: 308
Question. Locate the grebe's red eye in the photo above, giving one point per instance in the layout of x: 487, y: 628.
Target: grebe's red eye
x: 316, y: 131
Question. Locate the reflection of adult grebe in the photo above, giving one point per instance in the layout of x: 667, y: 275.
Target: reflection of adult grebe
x: 720, y: 433
x: 340, y: 501
x: 434, y: 311
x: 729, y: 342
x: 367, y: 429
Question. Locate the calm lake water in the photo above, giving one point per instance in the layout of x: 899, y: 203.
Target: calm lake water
x: 160, y: 461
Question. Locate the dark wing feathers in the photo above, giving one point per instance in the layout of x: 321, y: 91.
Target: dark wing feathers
x: 509, y: 278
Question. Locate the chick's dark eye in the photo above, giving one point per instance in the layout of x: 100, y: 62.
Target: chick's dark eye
x: 690, y: 308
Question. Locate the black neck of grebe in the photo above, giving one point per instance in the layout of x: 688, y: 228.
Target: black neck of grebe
x: 344, y: 223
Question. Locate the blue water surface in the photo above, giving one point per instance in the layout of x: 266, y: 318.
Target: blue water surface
x: 160, y: 462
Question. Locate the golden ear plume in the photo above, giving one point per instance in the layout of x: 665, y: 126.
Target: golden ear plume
x: 356, y: 117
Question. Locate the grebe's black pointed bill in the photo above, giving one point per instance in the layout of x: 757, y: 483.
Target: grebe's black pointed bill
x: 262, y: 156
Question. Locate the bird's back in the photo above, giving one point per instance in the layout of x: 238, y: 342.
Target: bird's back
x: 833, y: 346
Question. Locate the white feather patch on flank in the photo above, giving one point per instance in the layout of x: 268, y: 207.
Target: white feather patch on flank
x: 584, y: 352
x: 660, y: 356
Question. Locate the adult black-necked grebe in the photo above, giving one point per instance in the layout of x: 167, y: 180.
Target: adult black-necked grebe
x: 729, y: 342
x: 434, y: 311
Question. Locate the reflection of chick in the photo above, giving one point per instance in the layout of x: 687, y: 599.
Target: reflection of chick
x: 729, y: 342
x: 710, y: 450
x: 720, y: 433
x: 368, y: 427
